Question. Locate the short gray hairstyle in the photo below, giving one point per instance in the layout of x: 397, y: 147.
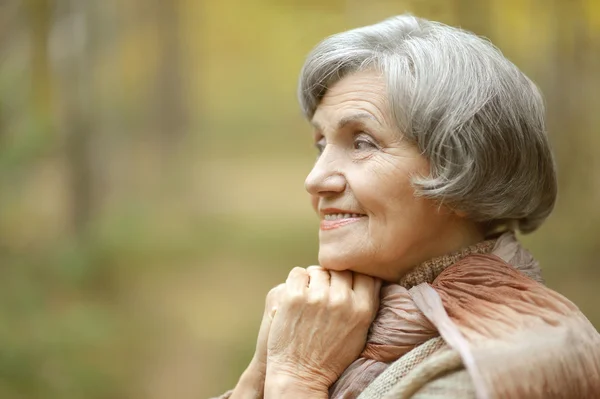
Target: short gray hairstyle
x: 472, y: 113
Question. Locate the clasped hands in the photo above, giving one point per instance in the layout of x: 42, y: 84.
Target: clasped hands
x: 314, y: 326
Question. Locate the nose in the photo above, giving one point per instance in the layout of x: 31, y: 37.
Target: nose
x: 325, y: 179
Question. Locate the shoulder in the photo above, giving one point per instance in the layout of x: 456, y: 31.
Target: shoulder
x: 501, y: 315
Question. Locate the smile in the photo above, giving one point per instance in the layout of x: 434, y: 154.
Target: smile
x: 336, y: 220
x: 338, y: 216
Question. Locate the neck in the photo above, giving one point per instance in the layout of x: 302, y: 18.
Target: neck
x: 456, y: 237
x: 459, y: 235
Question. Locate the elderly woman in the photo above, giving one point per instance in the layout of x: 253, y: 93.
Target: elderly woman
x: 432, y: 153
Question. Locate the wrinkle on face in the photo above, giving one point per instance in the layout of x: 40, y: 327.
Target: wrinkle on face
x: 367, y: 94
x: 400, y: 229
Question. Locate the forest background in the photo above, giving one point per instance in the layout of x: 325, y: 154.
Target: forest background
x: 152, y: 159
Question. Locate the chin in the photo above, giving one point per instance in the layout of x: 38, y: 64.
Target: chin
x: 333, y: 261
x: 333, y: 258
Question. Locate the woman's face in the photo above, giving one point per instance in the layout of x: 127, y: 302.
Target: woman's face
x: 371, y: 221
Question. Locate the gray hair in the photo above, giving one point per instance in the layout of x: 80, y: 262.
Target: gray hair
x: 472, y: 113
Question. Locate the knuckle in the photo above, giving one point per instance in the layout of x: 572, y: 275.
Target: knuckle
x: 317, y: 297
x: 274, y: 293
x: 296, y: 275
x: 363, y: 313
x: 294, y: 298
x: 346, y: 277
x: 339, y: 300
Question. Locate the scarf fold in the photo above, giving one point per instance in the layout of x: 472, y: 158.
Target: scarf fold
x: 515, y: 336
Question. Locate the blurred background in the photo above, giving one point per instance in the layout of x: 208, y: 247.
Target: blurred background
x: 152, y: 159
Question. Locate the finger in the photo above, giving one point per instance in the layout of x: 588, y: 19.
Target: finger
x: 341, y: 280
x: 318, y: 279
x: 273, y: 298
x: 364, y: 286
x: 297, y: 281
x: 378, y: 284
x: 341, y: 288
x: 315, y: 267
x: 377, y: 291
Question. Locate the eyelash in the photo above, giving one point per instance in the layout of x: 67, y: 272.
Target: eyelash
x: 358, y: 141
x: 320, y: 146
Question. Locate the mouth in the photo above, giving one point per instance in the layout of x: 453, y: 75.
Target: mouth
x: 335, y: 218
x: 340, y: 216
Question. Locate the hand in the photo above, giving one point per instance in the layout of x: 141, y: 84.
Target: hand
x: 252, y: 381
x: 260, y: 354
x: 319, y: 329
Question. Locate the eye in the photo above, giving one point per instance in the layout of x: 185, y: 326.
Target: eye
x: 320, y: 146
x: 363, y: 143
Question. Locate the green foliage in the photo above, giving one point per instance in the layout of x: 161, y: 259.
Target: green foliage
x: 159, y: 291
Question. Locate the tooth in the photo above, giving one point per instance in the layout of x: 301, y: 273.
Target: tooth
x: 346, y: 215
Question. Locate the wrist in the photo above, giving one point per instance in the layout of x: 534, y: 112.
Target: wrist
x: 256, y: 370
x: 284, y: 385
x: 251, y: 384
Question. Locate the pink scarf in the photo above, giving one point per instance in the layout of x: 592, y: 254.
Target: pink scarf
x: 488, y: 303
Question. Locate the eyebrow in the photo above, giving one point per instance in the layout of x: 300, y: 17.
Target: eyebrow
x: 348, y: 119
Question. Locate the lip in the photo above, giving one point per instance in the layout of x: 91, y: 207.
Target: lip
x: 328, y: 211
x: 334, y: 224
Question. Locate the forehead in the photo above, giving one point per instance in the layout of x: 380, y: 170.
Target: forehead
x: 363, y: 92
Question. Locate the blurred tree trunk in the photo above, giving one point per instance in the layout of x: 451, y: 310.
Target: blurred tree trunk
x: 39, y: 13
x: 573, y: 120
x: 567, y: 77
x: 78, y: 119
x: 7, y: 31
x: 171, y: 111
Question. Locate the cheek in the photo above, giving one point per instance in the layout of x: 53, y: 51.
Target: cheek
x: 387, y: 194
x: 395, y: 184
